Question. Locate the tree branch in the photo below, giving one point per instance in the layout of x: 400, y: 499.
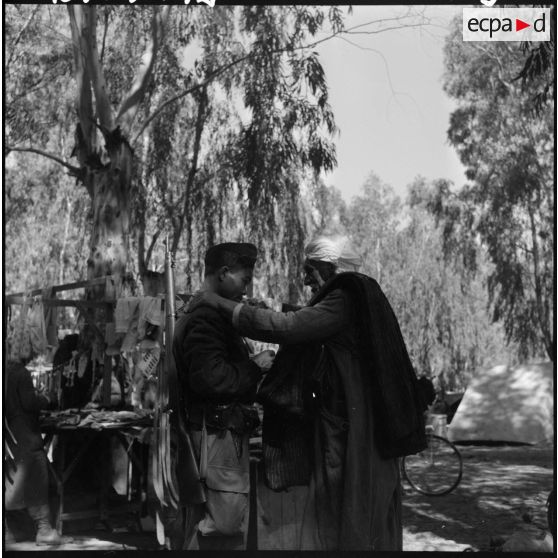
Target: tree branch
x: 137, y: 91
x: 200, y: 122
x: 204, y: 83
x: 105, y: 31
x: 154, y: 239
x: 74, y: 171
x: 226, y: 67
x: 384, y: 29
x: 19, y: 35
x: 84, y: 101
x: 88, y: 41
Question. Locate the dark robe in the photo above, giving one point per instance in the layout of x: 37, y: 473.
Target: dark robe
x: 354, y: 497
x: 26, y: 479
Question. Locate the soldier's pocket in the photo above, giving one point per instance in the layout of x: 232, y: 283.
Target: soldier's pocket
x: 226, y: 471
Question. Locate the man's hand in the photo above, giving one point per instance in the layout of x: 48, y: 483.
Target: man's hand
x: 203, y: 298
x: 50, y: 396
x: 42, y: 390
x: 264, y: 359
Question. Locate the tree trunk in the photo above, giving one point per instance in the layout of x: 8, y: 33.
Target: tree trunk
x: 109, y: 186
x: 62, y: 265
x: 111, y: 214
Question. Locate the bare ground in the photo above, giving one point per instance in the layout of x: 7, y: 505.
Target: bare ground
x: 503, y: 491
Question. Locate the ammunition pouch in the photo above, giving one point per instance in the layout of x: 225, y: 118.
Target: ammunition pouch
x: 236, y: 417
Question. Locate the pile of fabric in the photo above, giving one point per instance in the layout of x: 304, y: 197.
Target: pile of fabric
x: 96, y: 419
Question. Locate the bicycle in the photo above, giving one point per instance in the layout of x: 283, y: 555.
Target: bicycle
x: 435, y: 471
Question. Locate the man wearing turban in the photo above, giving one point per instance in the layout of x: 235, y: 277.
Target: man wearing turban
x: 358, y: 391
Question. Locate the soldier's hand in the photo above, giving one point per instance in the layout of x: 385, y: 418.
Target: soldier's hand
x: 264, y: 359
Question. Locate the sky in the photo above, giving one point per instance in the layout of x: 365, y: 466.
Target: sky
x: 386, y: 94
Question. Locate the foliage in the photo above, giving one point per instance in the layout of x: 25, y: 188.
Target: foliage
x: 445, y: 309
x: 507, y: 207
x: 372, y: 220
x: 50, y: 227
x: 222, y: 118
x: 229, y: 121
x: 45, y: 215
x: 326, y: 210
x: 537, y: 75
x: 227, y: 143
x: 32, y: 75
x: 440, y: 305
x: 232, y: 157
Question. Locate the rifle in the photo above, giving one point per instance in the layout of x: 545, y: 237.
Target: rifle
x: 187, y: 471
x: 175, y: 469
x: 163, y: 482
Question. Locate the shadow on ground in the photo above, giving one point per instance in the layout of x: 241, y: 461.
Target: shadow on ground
x: 504, y: 489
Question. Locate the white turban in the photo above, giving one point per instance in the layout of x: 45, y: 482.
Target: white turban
x: 334, y: 249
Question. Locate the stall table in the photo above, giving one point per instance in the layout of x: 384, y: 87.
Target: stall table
x: 127, y: 433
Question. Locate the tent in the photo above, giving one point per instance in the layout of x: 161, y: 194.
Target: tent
x: 506, y: 404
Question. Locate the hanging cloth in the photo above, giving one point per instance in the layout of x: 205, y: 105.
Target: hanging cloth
x: 51, y: 318
x: 150, y: 312
x: 20, y: 345
x: 126, y: 321
x: 37, y: 327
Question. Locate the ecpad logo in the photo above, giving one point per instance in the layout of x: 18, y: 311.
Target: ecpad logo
x: 506, y: 24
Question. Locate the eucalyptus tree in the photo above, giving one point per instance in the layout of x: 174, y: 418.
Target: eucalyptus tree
x: 444, y: 306
x: 43, y: 213
x: 130, y: 68
x: 373, y: 220
x: 326, y: 208
x: 245, y: 140
x: 508, y: 203
x: 441, y: 306
x: 538, y: 75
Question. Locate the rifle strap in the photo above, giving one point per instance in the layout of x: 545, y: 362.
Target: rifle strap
x: 203, y: 451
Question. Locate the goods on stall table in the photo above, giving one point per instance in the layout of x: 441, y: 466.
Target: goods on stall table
x: 95, y: 418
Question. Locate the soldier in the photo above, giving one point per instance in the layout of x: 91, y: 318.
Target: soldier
x: 219, y: 380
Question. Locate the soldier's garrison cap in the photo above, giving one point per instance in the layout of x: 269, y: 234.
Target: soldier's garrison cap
x: 231, y: 253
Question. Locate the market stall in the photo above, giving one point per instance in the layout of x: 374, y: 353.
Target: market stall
x: 98, y: 429
x: 106, y: 389
x: 117, y: 405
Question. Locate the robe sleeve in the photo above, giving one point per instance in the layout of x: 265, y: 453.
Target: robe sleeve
x: 212, y: 373
x: 311, y: 323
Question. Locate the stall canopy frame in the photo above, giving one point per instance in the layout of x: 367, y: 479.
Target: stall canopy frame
x: 112, y: 283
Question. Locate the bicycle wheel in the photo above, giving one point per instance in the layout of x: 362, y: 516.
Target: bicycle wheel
x: 436, y: 470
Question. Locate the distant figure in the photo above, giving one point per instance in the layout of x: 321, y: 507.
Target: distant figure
x: 426, y: 391
x: 26, y: 470
x: 439, y: 406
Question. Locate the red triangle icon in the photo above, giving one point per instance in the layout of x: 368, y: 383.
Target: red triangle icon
x: 519, y: 25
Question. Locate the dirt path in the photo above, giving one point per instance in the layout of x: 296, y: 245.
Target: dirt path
x: 503, y: 490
